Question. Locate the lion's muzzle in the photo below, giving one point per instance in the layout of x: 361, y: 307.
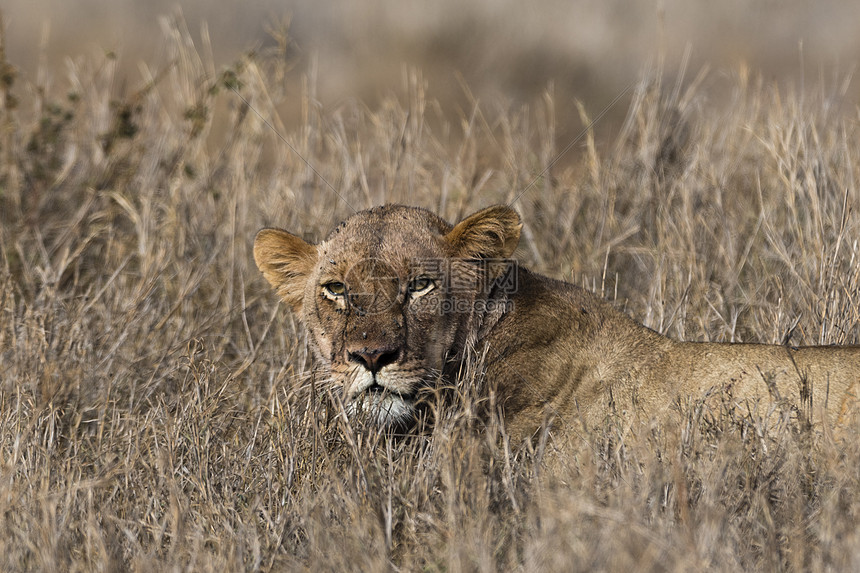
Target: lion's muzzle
x: 374, y: 359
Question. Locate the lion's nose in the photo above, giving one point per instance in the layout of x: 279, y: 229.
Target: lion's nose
x: 374, y: 359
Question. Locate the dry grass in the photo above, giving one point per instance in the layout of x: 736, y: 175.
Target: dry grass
x: 157, y: 409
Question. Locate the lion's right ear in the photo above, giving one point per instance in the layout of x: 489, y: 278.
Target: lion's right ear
x: 492, y: 233
x: 286, y: 261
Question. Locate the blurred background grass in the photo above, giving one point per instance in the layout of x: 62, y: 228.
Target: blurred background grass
x: 505, y: 50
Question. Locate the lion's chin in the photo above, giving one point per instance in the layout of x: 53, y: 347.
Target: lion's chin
x: 384, y: 410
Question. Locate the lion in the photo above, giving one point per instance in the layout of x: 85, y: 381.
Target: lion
x: 394, y: 297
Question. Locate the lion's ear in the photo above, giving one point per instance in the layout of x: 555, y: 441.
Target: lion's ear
x: 286, y: 261
x: 492, y: 233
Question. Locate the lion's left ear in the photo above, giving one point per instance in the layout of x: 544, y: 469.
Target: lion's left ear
x: 492, y: 233
x: 286, y: 261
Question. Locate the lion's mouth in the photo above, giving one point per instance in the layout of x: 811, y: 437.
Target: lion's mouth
x: 383, y: 406
x: 377, y: 388
x: 374, y: 388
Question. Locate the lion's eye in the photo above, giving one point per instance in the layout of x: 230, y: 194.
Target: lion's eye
x: 334, y: 289
x: 421, y: 285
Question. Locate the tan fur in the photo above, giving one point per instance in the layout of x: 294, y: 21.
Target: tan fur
x: 554, y: 352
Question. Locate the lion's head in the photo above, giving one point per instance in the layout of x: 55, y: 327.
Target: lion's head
x: 391, y: 296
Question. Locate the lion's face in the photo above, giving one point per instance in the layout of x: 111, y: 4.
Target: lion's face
x: 387, y: 298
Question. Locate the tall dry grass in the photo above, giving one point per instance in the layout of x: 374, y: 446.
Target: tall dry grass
x: 157, y: 406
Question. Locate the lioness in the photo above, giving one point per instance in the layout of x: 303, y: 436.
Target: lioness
x: 394, y: 296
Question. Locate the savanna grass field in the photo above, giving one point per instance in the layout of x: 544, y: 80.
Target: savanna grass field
x: 158, y: 405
